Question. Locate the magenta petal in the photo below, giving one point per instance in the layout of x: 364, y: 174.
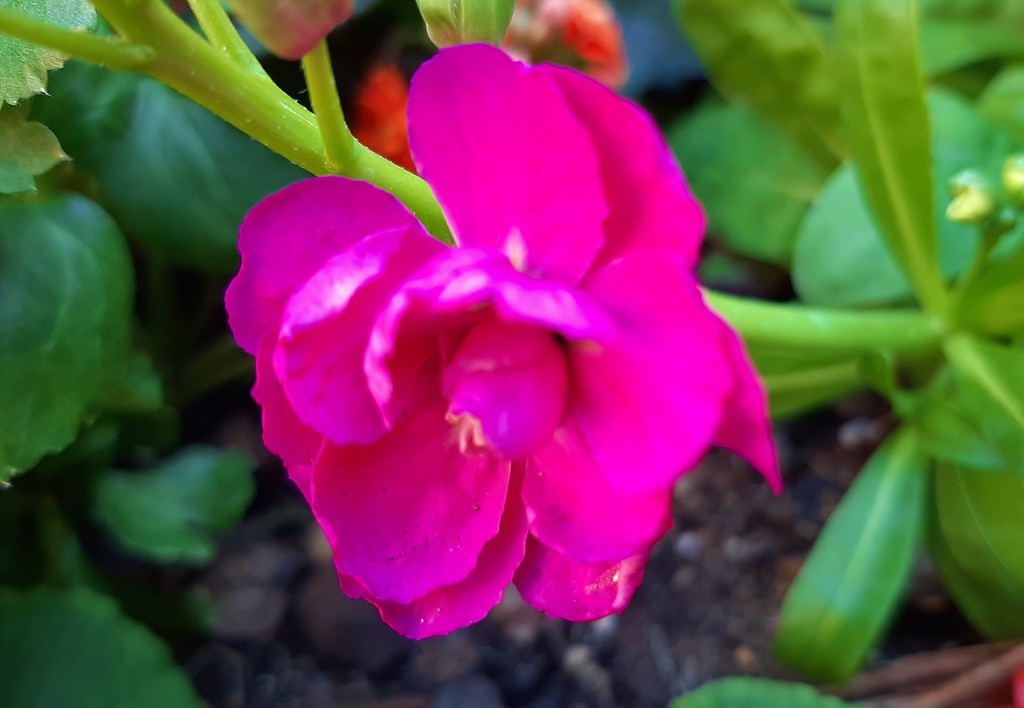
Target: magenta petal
x: 283, y: 433
x: 325, y: 331
x: 574, y: 509
x: 512, y: 379
x: 455, y: 606
x: 562, y: 588
x: 747, y: 427
x: 457, y: 290
x: 650, y: 403
x: 513, y: 168
x: 289, y: 235
x: 410, y: 513
x: 651, y: 205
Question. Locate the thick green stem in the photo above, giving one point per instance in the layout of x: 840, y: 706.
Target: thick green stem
x: 99, y: 50
x: 221, y: 32
x: 798, y: 326
x: 323, y: 94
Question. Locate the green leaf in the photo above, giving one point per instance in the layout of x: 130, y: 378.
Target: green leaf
x: 175, y: 512
x: 753, y: 182
x: 765, y: 54
x: 176, y: 177
x: 1002, y: 102
x: 853, y: 578
x: 65, y: 318
x: 886, y: 122
x: 797, y: 384
x: 975, y: 542
x: 74, y: 649
x: 26, y: 150
x: 840, y: 258
x: 995, y: 301
x: 24, y: 66
x: 746, y: 692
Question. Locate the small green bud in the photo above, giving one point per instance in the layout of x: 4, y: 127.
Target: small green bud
x: 1013, y: 179
x: 451, y: 22
x: 972, y: 199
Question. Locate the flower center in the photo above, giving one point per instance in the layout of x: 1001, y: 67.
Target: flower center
x: 469, y: 432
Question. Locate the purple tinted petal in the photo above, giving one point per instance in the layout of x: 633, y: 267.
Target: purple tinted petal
x: 326, y: 328
x: 650, y: 203
x: 283, y: 433
x: 512, y: 379
x: 580, y: 592
x: 747, y: 428
x: 455, y: 606
x: 513, y: 168
x: 575, y: 510
x: 289, y: 235
x: 650, y: 403
x: 455, y: 291
x: 410, y: 513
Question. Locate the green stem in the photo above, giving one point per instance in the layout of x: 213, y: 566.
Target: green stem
x: 988, y: 238
x: 254, y: 104
x: 99, y: 50
x: 847, y: 372
x: 323, y: 94
x: 798, y: 326
x: 221, y: 33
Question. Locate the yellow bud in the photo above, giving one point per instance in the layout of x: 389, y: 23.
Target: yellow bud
x: 1013, y: 179
x: 972, y: 200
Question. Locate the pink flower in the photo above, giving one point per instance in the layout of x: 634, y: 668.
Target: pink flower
x: 515, y: 409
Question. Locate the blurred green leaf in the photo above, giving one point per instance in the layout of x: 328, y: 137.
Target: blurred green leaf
x: 26, y: 150
x: 175, y: 177
x: 886, y: 123
x: 950, y: 434
x: 990, y: 387
x: 175, y: 512
x: 747, y: 692
x: 24, y: 66
x: 765, y: 54
x: 853, y: 578
x: 753, y: 182
x: 138, y: 388
x: 65, y: 318
x: 74, y: 649
x: 797, y: 384
x: 840, y: 258
x: 995, y: 301
x: 1002, y: 102
x: 975, y: 542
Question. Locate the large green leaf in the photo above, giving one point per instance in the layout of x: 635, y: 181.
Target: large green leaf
x: 754, y: 183
x: 886, y: 123
x: 176, y: 177
x: 175, y: 512
x: 65, y: 317
x: 74, y: 649
x: 975, y: 541
x: 840, y: 257
x: 26, y: 149
x: 746, y: 692
x: 24, y: 66
x: 1002, y: 102
x: 764, y: 53
x: 853, y: 578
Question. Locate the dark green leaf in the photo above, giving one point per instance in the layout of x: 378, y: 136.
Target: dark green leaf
x: 23, y: 66
x: 886, y: 123
x: 65, y: 317
x: 766, y: 54
x: 176, y: 177
x: 975, y: 541
x: 74, y: 649
x: 853, y: 578
x: 753, y: 182
x: 840, y: 258
x: 175, y: 512
x: 745, y: 692
x: 26, y: 150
